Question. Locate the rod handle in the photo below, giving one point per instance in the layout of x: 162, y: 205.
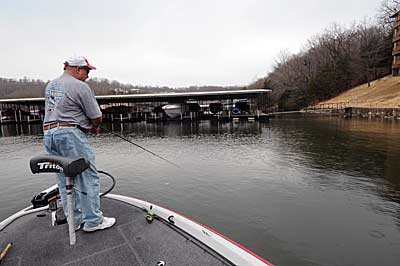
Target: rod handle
x: 5, y: 251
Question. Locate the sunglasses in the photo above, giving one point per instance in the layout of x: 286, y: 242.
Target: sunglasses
x: 86, y: 69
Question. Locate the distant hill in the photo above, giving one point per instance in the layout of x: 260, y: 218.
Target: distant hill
x: 33, y: 88
x: 382, y: 93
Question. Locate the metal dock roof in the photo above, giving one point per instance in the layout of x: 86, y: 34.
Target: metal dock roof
x: 160, y: 97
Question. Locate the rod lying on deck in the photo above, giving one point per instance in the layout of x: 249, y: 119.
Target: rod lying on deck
x: 5, y: 251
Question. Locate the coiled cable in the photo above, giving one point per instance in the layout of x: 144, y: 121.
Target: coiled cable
x: 112, y: 186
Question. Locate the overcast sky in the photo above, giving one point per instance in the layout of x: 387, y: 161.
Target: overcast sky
x: 172, y: 42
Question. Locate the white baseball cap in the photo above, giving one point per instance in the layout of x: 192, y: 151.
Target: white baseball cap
x: 79, y: 61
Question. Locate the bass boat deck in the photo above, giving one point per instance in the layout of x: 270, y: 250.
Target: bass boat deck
x: 145, y: 234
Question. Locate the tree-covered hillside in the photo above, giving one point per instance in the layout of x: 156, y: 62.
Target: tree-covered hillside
x: 334, y: 61
x: 31, y: 88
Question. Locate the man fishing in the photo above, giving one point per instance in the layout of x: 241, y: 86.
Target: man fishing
x: 71, y: 112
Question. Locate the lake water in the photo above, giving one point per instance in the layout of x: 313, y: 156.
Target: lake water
x: 296, y: 191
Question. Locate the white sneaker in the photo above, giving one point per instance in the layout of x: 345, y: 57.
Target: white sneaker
x: 78, y: 227
x: 106, y: 223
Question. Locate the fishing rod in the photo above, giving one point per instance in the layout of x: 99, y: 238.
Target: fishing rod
x: 137, y: 145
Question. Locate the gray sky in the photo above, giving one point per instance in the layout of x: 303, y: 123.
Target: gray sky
x: 172, y: 42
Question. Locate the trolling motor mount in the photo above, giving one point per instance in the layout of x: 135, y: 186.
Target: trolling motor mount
x: 52, y: 198
x: 45, y: 198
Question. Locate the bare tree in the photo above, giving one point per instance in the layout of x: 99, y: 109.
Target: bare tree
x: 332, y: 62
x: 385, y: 11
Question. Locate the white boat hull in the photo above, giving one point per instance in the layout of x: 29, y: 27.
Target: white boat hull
x: 175, y: 110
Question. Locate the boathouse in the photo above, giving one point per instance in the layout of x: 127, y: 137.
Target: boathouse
x: 149, y: 107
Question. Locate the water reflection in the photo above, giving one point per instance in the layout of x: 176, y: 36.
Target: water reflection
x: 297, y: 191
x: 357, y: 155
x: 10, y: 130
x: 164, y: 129
x: 185, y: 129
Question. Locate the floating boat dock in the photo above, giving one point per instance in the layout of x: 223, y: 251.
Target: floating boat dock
x: 225, y: 105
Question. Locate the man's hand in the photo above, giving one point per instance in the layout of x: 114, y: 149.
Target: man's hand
x: 95, y: 126
x: 94, y: 130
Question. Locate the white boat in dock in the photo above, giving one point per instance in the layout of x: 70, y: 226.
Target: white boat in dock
x: 175, y: 110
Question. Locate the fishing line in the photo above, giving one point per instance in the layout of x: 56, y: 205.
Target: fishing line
x: 137, y: 145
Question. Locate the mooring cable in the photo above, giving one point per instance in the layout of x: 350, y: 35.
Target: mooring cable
x: 137, y: 145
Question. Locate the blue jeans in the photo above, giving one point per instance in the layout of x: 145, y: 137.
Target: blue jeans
x: 72, y: 142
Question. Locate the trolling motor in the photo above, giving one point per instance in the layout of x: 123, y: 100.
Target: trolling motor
x: 51, y: 197
x: 70, y: 166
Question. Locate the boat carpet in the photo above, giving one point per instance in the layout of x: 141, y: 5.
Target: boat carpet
x: 132, y: 241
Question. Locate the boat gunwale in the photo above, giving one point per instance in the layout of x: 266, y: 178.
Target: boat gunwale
x: 221, y: 244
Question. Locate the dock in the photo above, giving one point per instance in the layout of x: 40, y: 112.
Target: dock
x: 231, y: 105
